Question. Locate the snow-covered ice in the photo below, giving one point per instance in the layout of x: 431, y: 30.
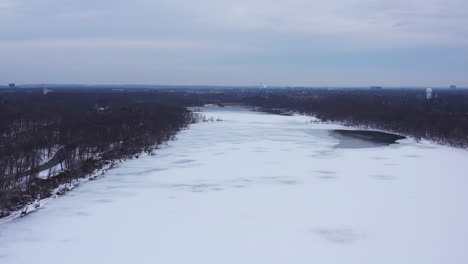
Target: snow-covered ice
x: 258, y: 188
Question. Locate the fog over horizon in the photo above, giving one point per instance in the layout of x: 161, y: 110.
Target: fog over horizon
x: 244, y: 42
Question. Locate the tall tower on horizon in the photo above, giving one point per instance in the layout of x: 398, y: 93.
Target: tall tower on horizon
x: 429, y: 93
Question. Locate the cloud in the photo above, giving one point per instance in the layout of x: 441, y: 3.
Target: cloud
x: 210, y: 35
x: 79, y: 15
x: 98, y: 44
x: 425, y: 22
x: 122, y: 45
x: 7, y: 8
x: 6, y: 4
x: 401, y: 24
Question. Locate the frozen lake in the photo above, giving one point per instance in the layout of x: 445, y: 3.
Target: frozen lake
x: 258, y: 188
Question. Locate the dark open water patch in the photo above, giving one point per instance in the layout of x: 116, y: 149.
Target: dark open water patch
x: 363, y: 138
x: 274, y: 111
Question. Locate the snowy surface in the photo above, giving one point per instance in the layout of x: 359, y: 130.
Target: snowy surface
x: 53, y: 171
x: 258, y: 188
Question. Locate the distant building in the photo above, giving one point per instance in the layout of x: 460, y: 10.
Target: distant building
x: 45, y: 91
x: 11, y: 85
x: 102, y: 108
x: 428, y: 93
x: 453, y: 86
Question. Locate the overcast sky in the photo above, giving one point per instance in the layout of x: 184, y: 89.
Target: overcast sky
x: 237, y: 42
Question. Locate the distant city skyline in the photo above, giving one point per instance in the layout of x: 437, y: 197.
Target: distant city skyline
x: 245, y: 42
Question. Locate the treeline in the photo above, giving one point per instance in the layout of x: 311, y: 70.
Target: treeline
x: 46, y: 141
x: 49, y: 140
x: 443, y: 119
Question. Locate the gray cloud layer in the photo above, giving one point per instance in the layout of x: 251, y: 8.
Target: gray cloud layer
x: 295, y: 42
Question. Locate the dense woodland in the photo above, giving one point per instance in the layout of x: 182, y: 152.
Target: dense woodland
x: 443, y: 119
x: 48, y: 141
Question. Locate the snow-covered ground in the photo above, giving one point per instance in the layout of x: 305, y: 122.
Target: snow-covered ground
x: 258, y: 188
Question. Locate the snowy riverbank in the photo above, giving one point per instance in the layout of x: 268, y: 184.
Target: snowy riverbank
x: 258, y: 188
